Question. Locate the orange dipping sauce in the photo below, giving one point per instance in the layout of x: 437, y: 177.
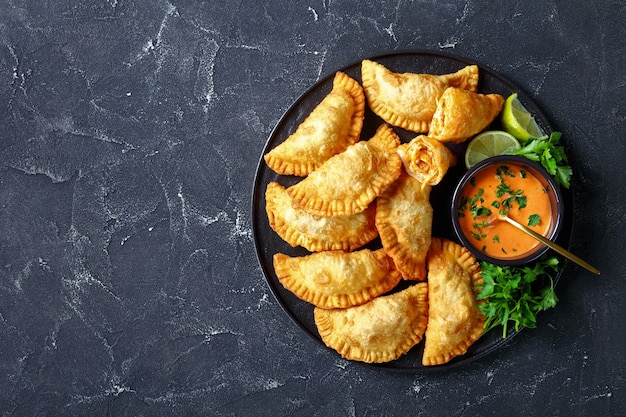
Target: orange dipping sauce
x: 507, y: 188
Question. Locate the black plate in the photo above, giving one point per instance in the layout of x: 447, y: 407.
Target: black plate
x: 268, y: 243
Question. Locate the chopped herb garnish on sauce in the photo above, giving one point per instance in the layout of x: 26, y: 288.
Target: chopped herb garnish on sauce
x: 500, y: 191
x: 534, y: 219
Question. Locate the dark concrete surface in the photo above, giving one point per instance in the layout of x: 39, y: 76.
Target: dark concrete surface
x: 130, y: 133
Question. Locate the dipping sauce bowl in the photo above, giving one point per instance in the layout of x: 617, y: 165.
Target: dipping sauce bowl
x: 512, y: 186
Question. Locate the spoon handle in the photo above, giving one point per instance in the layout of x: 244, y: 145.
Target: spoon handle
x: 569, y: 255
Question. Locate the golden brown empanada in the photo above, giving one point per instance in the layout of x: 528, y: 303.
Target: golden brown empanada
x: 426, y: 159
x: 329, y: 129
x: 317, y: 233
x: 454, y: 322
x: 348, y: 182
x: 404, y: 219
x: 409, y: 100
x: 462, y: 114
x: 379, y: 331
x: 337, y: 279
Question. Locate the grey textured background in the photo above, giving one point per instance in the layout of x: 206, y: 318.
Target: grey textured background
x: 130, y: 132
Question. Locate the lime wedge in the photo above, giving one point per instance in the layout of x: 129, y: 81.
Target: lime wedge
x: 518, y: 121
x: 488, y: 144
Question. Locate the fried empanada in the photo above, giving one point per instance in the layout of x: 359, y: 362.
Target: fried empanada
x: 409, y: 100
x: 337, y: 279
x: 404, y: 219
x: 426, y: 159
x: 348, y: 182
x: 462, y: 114
x: 379, y: 331
x: 329, y: 129
x: 317, y: 233
x: 454, y: 321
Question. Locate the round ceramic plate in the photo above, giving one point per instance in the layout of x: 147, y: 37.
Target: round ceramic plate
x: 268, y: 242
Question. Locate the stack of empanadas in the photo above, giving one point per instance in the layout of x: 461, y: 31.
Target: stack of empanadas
x: 354, y: 191
x: 348, y: 182
x: 409, y: 100
x: 447, y: 106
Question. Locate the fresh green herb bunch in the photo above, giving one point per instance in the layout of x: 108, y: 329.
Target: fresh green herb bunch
x: 550, y: 155
x: 509, y: 294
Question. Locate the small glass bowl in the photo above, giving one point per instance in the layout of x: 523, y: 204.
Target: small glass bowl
x: 556, y: 209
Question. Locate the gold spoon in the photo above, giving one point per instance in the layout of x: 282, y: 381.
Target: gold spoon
x: 569, y: 255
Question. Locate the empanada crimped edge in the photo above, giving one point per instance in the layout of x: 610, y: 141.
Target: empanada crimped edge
x: 407, y: 251
x: 316, y: 233
x: 382, y: 276
x: 301, y: 162
x: 393, y: 338
x: 466, y: 261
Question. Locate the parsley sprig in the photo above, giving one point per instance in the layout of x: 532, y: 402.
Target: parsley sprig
x: 510, y: 294
x: 550, y: 155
